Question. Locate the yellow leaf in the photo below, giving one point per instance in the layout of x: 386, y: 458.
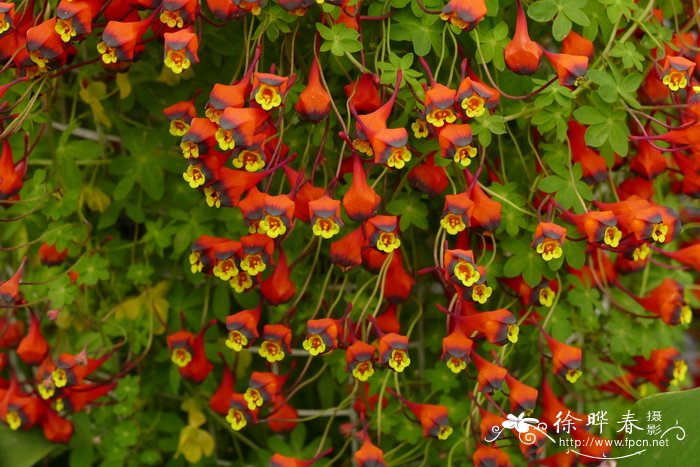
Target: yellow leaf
x: 91, y: 95
x: 95, y: 198
x: 129, y: 308
x: 124, y: 85
x: 155, y: 301
x: 193, y: 443
x: 195, y: 417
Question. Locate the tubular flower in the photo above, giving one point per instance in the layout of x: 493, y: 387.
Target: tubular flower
x: 262, y: 389
x: 475, y: 97
x: 656, y: 223
x: 239, y: 415
x: 566, y: 360
x: 438, y: 105
x: 664, y: 367
x: 427, y: 177
x: 74, y: 18
x: 522, y: 397
x: 314, y: 103
x: 593, y: 165
x: 677, y: 72
x: 393, y: 350
x: 465, y: 14
x: 241, y: 282
x: 486, y: 215
x: 11, y: 174
x: 119, y: 41
x: 180, y: 114
x: 282, y: 416
x: 499, y: 327
x: 276, y: 343
x: 360, y: 201
x: 278, y: 287
x: 50, y: 256
x: 242, y: 329
x: 187, y: 353
x: 268, y: 89
x: 369, y: 455
x: 45, y: 47
x: 321, y: 336
x: 575, y: 44
x: 398, y: 289
x: 257, y: 252
x: 223, y: 96
x: 363, y: 94
x: 488, y: 456
x: 433, y: 418
x: 460, y: 268
x: 649, y: 162
x: 522, y: 55
x: 278, y: 216
x: 490, y: 376
x: 358, y: 360
x: 456, y: 348
x: 324, y: 215
x: 9, y: 290
x: 455, y: 215
x: 667, y: 302
x: 346, y: 253
x: 239, y: 127
x: 7, y: 17
x: 455, y: 143
x: 19, y: 410
x: 199, y: 139
x: 178, y: 13
x: 226, y: 263
x: 33, y: 347
x: 180, y: 50
x: 569, y: 68
x: 549, y: 239
x: 600, y: 227
x: 219, y: 401
x: 71, y: 370
x: 382, y: 233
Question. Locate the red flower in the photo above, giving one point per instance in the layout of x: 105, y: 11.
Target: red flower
x: 278, y: 460
x: 667, y: 302
x: 346, y: 253
x: 465, y: 14
x: 594, y: 167
x: 369, y: 455
x: 239, y: 415
x: 120, y: 40
x: 649, y: 162
x: 488, y: 456
x: 180, y: 50
x: 363, y: 94
x: 278, y: 288
x: 522, y: 397
x: 19, y: 410
x: 455, y: 143
x: 324, y: 215
x: 178, y: 13
x: 433, y: 418
x: 268, y: 89
x: 220, y: 401
x: 321, y: 335
x: 187, y: 352
x: 575, y: 44
x: 499, y: 327
x: 314, y: 102
x: 263, y: 388
x: 427, y: 177
x: 475, y: 97
x: 9, y: 290
x: 569, y: 68
x: 180, y: 115
x: 199, y: 139
x: 490, y: 376
x: 399, y: 286
x: 45, y: 47
x: 456, y: 348
x: 277, y: 339
x: 74, y: 18
x: 393, y: 350
x: 662, y: 368
x: 282, y: 416
x: 460, y: 267
x: 566, y: 360
x: 75, y: 398
x: 456, y: 213
x: 677, y: 72
x: 486, y: 215
x: 242, y: 328
x: 360, y: 201
x: 549, y: 239
x: 56, y: 428
x: 438, y: 105
x: 382, y: 233
x: 522, y: 54
x: 240, y: 127
x: 33, y: 347
x: 600, y: 227
x: 358, y: 360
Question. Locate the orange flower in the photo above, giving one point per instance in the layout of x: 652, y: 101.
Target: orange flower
x: 486, y: 215
x: 649, y: 162
x: 45, y: 47
x: 358, y: 360
x: 569, y: 68
x: 677, y: 72
x: 238, y: 414
x: 324, y: 215
x: 593, y: 165
x: 667, y: 302
x: 465, y: 14
x: 363, y: 94
x: 499, y: 327
x: 346, y: 253
x: 399, y: 287
x: 360, y: 201
x: 282, y: 416
x: 74, y: 19
x: 242, y: 328
x: 120, y: 40
x: 382, y: 233
x: 566, y: 360
x: 9, y: 290
x: 549, y: 239
x: 455, y: 143
x: 369, y: 455
x: 268, y: 89
x: 393, y: 350
x: 277, y: 339
x: 178, y: 13
x: 33, y: 347
x: 522, y: 54
x: 433, y: 418
x: 522, y: 397
x: 438, y: 105
x: 475, y: 97
x: 575, y: 44
x: 456, y: 348
x: 321, y: 336
x: 219, y: 402
x: 490, y: 376
x: 180, y: 50
x: 314, y: 102
x: 664, y: 367
x: 427, y: 177
x: 490, y: 456
x: 460, y: 267
x: 180, y: 114
x: 455, y: 215
x: 263, y: 388
x: 278, y: 288
x: 187, y: 352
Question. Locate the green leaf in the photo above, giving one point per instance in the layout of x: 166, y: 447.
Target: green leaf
x: 543, y: 11
x: 588, y: 115
x: 91, y: 269
x: 23, y: 448
x: 421, y: 43
x: 682, y: 446
x: 561, y: 27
